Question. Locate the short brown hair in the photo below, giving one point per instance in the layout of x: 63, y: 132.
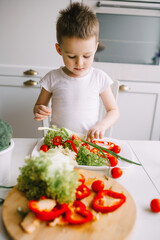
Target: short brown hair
x: 77, y: 20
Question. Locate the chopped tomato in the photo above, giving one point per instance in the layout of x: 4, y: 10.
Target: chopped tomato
x: 57, y: 140
x: 116, y: 172
x: 76, y: 137
x: 155, y: 205
x: 97, y: 185
x: 86, y: 145
x: 44, y: 148
x: 94, y: 150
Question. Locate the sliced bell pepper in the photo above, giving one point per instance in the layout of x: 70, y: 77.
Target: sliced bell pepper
x: 57, y: 140
x: 109, y: 145
x: 82, y: 178
x: 98, y: 201
x: 78, y: 208
x: 82, y: 191
x: 54, y: 213
x: 72, y: 145
x: 46, y: 209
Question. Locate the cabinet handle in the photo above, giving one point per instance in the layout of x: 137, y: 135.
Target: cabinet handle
x: 124, y: 88
x: 30, y: 83
x: 30, y: 72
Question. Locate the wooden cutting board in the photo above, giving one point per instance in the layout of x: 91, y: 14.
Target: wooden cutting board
x: 116, y: 225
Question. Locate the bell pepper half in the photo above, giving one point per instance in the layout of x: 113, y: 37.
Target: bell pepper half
x: 46, y: 209
x: 98, y: 201
x: 82, y: 191
x: 58, y: 210
x: 78, y: 208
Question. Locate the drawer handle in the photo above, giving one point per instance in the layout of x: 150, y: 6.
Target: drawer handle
x: 124, y: 88
x: 30, y: 72
x: 30, y: 83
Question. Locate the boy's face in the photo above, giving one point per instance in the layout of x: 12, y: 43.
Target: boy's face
x: 78, y: 55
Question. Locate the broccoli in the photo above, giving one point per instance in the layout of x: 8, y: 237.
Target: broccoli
x: 5, y: 134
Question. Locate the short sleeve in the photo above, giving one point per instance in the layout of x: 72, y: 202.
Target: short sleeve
x: 104, y: 81
x: 47, y: 82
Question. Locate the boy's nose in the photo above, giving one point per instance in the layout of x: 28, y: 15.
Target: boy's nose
x: 79, y: 61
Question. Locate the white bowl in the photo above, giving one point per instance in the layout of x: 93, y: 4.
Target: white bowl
x: 5, y: 164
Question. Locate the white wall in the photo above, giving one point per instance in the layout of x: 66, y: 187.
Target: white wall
x: 27, y: 32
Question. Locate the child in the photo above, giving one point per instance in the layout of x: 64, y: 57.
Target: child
x: 76, y: 87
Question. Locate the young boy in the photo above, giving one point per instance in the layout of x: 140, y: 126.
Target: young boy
x: 76, y: 87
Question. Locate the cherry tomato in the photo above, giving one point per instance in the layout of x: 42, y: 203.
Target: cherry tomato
x: 113, y: 160
x: 155, y: 205
x: 82, y: 178
x: 97, y: 185
x: 116, y: 149
x: 57, y: 140
x: 44, y: 148
x: 116, y: 172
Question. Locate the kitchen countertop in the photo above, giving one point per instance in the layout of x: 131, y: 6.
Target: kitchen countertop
x: 142, y: 182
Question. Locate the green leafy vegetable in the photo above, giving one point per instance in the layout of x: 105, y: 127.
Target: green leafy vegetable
x: 5, y: 134
x: 62, y: 132
x: 85, y: 157
x: 51, y: 174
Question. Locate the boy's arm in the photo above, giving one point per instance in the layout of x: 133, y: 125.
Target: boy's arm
x: 110, y: 117
x: 41, y: 111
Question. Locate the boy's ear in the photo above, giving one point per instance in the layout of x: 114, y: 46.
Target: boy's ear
x: 58, y: 49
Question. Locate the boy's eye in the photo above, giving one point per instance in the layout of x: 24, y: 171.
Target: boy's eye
x: 86, y: 56
x: 72, y: 57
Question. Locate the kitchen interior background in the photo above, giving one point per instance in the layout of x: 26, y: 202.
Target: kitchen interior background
x: 27, y: 42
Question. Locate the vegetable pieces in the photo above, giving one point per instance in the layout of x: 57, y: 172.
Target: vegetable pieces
x: 79, y: 208
x: 76, y: 213
x: 99, y: 203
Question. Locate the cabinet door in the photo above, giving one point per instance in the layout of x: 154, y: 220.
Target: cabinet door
x: 16, y: 108
x: 139, y: 105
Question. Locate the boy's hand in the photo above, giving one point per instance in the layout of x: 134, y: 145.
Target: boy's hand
x: 41, y: 112
x: 95, y: 132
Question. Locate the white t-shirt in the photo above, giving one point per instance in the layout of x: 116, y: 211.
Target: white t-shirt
x: 75, y: 101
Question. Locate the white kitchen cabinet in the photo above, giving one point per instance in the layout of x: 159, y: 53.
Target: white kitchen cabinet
x: 139, y: 105
x: 16, y: 105
x: 138, y: 100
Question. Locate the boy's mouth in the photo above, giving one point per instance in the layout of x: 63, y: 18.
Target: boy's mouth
x: 78, y: 69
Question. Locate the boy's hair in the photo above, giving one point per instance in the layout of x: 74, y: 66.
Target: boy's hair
x: 77, y: 20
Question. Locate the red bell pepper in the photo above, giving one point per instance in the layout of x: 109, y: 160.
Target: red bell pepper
x: 82, y: 178
x: 98, y: 202
x: 72, y: 145
x: 109, y: 145
x: 82, y: 191
x: 78, y: 208
x: 54, y: 213
x: 46, y: 209
x: 57, y: 140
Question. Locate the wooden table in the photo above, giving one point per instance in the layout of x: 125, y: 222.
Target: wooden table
x: 142, y: 182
